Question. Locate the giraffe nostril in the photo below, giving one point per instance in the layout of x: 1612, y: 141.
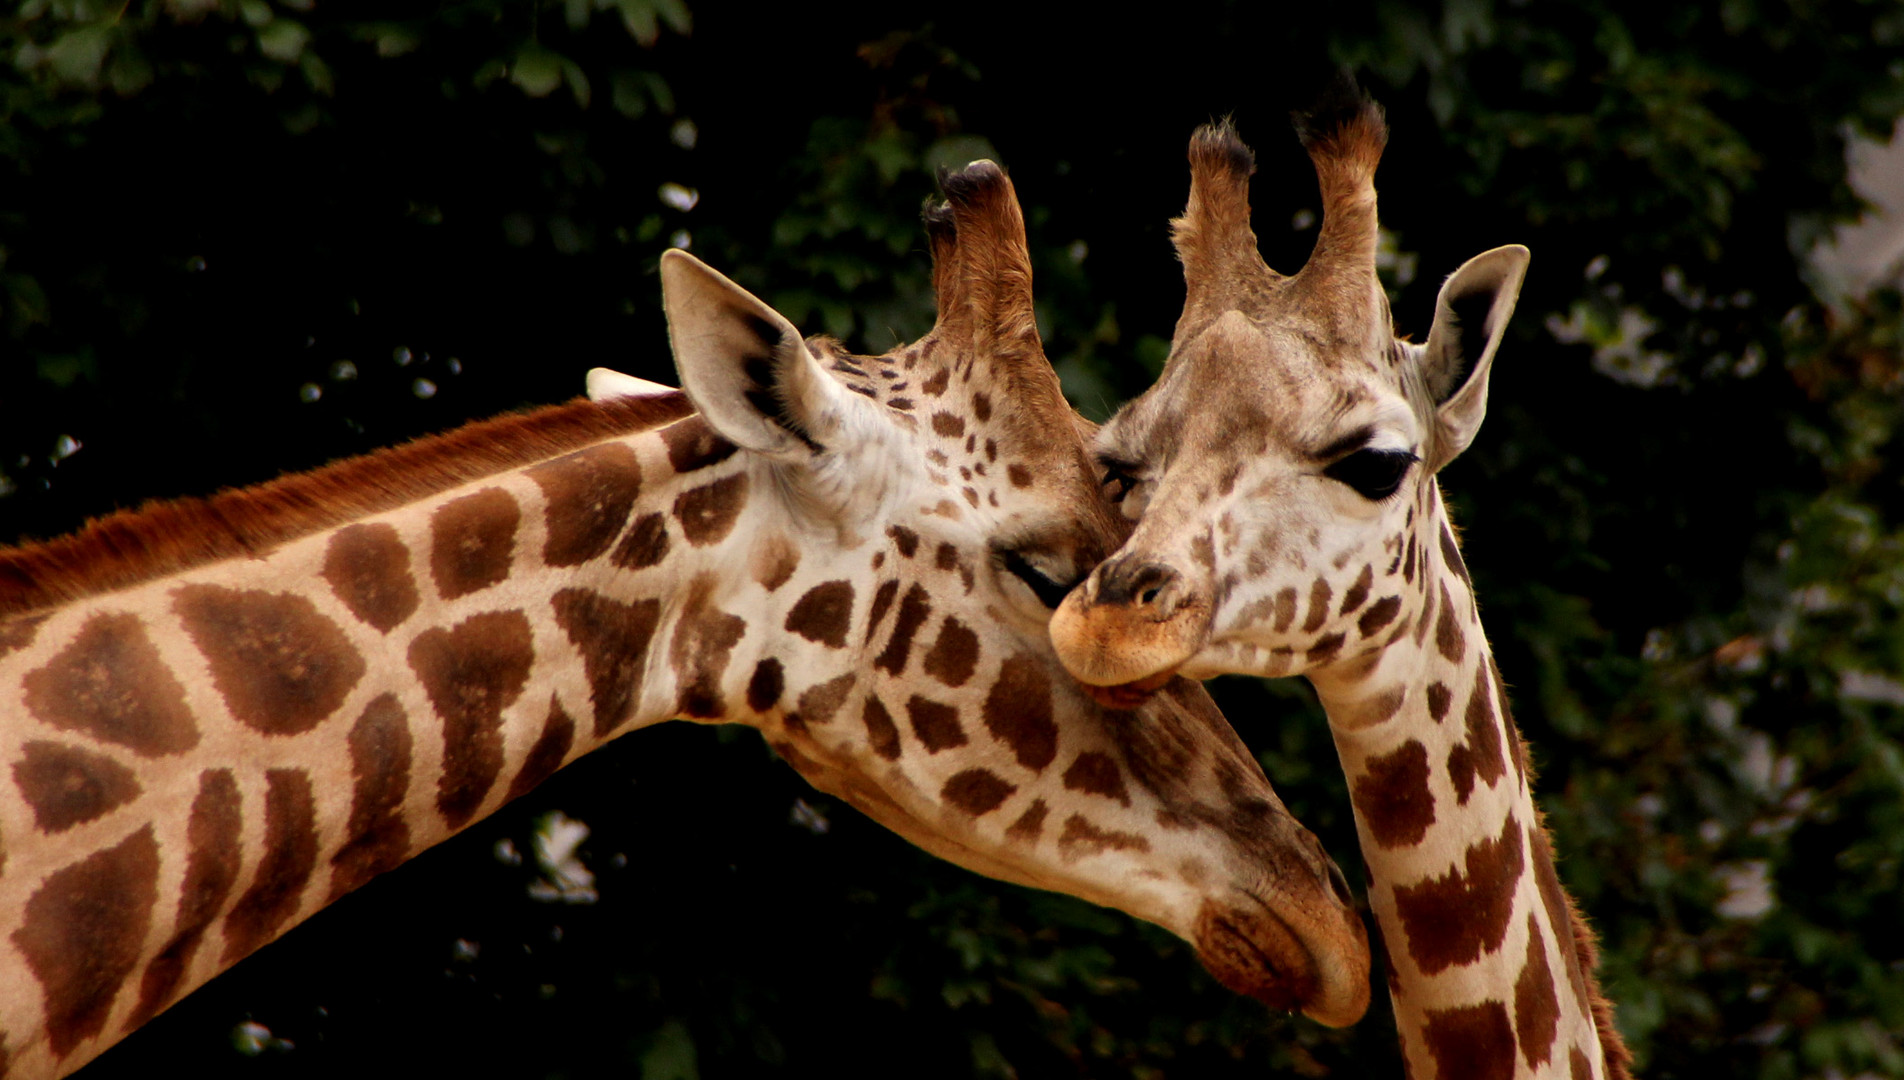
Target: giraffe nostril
x: 1133, y: 582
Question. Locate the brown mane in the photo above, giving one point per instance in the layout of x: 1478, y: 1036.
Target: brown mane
x: 167, y: 537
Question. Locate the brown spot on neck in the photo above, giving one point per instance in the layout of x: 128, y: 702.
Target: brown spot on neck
x: 377, y: 838
x: 1018, y: 712
x: 769, y: 681
x: 550, y: 750
x: 692, y: 444
x: 1480, y: 757
x: 703, y: 642
x: 1392, y: 796
x: 1097, y: 774
x: 976, y: 791
x: 1472, y: 1042
x: 1449, y: 640
x: 471, y: 672
x: 82, y: 931
x: 368, y: 568
x: 881, y: 733
x: 473, y: 541
x: 110, y: 683
x: 211, y: 872
x: 67, y: 786
x: 1082, y: 839
x: 707, y: 513
x: 613, y: 639
x: 935, y: 723
x: 589, y: 494
x: 820, y: 702
x: 824, y: 614
x: 1379, y: 615
x: 1536, y: 1007
x: 645, y: 545
x: 1030, y: 824
x: 1454, y: 918
x: 290, y: 854
x: 281, y: 666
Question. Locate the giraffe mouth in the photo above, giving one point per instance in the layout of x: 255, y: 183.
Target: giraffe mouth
x: 1253, y: 952
x: 1133, y: 694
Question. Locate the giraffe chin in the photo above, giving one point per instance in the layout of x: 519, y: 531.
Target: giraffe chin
x: 1255, y: 953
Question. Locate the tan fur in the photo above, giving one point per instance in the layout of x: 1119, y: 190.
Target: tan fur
x: 163, y: 538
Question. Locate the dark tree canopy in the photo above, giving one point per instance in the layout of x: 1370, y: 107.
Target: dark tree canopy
x: 239, y: 237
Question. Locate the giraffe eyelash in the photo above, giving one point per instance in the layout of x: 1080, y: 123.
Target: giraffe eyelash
x: 1049, y: 593
x: 1374, y: 474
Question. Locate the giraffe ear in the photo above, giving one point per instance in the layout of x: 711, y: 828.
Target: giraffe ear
x: 1470, y: 317
x: 743, y: 365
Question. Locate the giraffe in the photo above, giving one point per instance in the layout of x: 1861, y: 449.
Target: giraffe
x: 221, y: 715
x: 1284, y: 470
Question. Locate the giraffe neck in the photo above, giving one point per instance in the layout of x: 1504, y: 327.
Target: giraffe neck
x: 421, y: 667
x: 1484, y: 967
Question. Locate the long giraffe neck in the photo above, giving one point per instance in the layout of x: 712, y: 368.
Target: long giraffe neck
x: 1489, y: 967
x: 238, y: 744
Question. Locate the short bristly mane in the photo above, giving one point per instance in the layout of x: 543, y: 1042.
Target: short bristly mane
x: 168, y: 537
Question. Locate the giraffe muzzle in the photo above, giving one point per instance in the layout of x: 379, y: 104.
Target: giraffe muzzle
x: 1129, y: 627
x: 1253, y: 952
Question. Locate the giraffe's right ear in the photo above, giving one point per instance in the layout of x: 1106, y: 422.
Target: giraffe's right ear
x: 1470, y: 318
x: 743, y: 365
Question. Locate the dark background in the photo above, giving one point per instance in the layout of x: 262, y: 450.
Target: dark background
x: 243, y: 238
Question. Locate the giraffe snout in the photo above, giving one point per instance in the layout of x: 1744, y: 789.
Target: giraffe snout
x: 1133, y: 621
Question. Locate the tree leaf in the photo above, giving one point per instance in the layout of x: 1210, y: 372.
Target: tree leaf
x: 537, y: 70
x: 76, y: 55
x: 283, y: 40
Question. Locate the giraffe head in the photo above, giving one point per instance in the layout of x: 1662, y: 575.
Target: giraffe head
x: 911, y: 520
x: 1279, y: 533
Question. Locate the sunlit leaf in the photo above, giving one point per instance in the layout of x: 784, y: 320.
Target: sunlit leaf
x: 76, y: 55
x: 283, y: 40
x: 537, y: 71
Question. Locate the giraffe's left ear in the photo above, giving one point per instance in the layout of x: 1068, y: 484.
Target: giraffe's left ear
x: 743, y: 365
x: 1470, y: 316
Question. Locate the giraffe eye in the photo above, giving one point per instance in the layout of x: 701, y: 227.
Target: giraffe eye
x: 1118, y: 480
x: 1117, y: 483
x: 1374, y: 474
x: 1049, y: 593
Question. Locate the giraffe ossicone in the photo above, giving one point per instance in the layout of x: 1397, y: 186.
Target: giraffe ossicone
x: 220, y: 715
x: 1282, y: 473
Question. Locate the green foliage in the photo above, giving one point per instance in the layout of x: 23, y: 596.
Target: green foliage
x: 240, y: 237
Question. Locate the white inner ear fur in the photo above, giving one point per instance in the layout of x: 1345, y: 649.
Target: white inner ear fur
x: 744, y: 366
x: 605, y: 384
x: 1498, y: 272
